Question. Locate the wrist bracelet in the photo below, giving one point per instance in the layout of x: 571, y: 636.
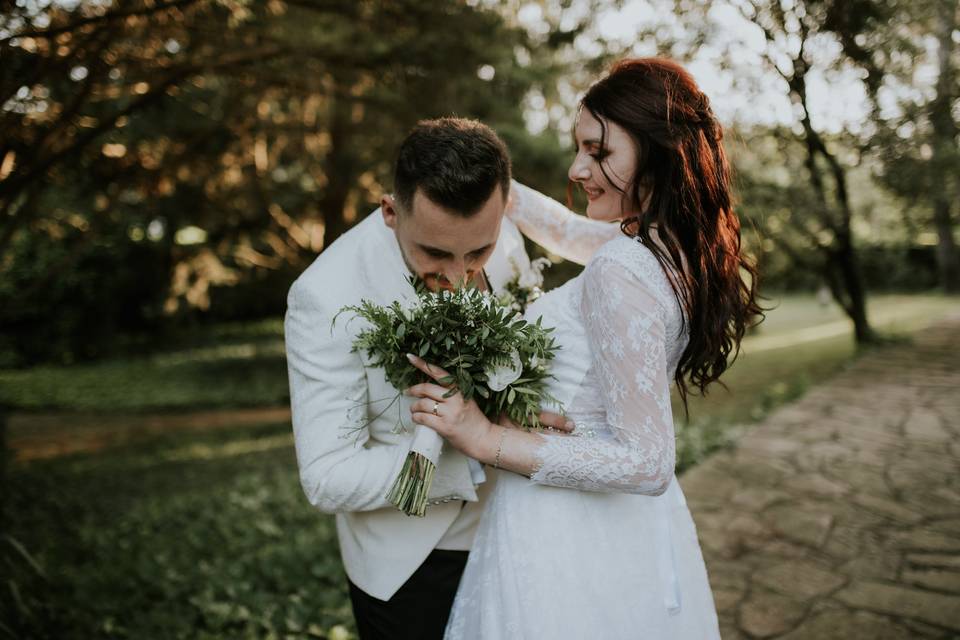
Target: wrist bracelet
x: 496, y: 459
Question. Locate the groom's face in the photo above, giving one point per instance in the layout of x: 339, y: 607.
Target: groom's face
x: 442, y: 247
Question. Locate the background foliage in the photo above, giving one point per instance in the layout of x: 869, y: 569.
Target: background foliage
x: 168, y: 167
x: 169, y: 162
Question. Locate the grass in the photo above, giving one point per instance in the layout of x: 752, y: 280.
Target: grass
x: 243, y: 365
x: 228, y: 366
x: 207, y: 534
x: 171, y: 538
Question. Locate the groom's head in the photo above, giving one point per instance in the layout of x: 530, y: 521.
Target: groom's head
x: 451, y: 183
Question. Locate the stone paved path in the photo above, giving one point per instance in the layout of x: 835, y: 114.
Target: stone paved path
x: 839, y: 516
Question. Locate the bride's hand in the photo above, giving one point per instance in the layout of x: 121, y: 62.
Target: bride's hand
x: 462, y: 423
x: 549, y: 421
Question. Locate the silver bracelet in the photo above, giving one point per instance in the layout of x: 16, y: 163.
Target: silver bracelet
x: 496, y: 459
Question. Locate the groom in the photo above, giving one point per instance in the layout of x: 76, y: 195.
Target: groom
x: 445, y: 223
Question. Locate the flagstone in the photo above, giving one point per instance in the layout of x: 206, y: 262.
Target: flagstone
x: 896, y: 600
x: 766, y: 614
x: 839, y: 517
x: 799, y: 579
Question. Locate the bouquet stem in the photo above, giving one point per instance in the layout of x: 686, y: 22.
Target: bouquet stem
x: 411, y: 488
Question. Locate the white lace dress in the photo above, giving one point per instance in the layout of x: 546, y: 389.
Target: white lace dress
x: 599, y: 543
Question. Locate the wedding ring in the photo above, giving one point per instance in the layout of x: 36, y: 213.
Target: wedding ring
x: 436, y: 405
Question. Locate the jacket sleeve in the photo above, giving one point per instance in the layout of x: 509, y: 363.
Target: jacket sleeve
x: 341, y: 468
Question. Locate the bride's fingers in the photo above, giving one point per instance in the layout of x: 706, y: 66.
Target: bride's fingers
x: 428, y: 390
x: 429, y: 420
x: 431, y: 370
x: 557, y: 421
x: 425, y: 405
x: 548, y: 421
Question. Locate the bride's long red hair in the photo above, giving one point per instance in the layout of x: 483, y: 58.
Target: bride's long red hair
x: 683, y: 168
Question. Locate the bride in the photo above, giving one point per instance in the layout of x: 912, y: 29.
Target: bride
x: 590, y: 536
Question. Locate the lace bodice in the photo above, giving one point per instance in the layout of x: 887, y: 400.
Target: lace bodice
x: 621, y: 334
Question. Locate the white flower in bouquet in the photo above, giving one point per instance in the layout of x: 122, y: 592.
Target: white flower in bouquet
x: 525, y: 286
x: 500, y: 376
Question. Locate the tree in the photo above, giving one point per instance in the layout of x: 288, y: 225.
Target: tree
x: 227, y: 141
x: 945, y: 158
x: 823, y: 226
x: 919, y: 143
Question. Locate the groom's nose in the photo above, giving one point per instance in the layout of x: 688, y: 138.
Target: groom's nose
x: 454, y: 273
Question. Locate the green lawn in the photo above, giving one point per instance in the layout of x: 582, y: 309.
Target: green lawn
x: 207, y: 534
x: 229, y: 366
x: 193, y: 537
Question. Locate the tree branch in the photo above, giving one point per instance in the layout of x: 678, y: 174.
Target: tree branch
x: 110, y: 16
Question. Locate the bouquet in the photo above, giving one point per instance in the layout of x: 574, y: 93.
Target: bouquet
x: 493, y: 356
x: 525, y: 286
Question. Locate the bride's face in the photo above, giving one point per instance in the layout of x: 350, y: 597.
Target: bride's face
x: 604, y: 168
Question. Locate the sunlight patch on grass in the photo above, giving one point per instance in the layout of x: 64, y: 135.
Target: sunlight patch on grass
x: 197, y: 452
x: 243, y: 351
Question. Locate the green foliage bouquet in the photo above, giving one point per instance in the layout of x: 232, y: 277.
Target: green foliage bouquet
x: 493, y: 356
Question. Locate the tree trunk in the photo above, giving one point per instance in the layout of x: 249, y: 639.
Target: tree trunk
x: 842, y: 270
x: 856, y: 294
x: 948, y: 263
x: 338, y: 166
x: 944, y: 161
x: 4, y: 455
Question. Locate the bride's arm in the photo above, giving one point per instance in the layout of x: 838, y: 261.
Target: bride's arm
x: 554, y: 227
x: 625, y: 317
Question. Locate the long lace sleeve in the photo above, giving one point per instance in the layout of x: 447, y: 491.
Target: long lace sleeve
x: 555, y: 228
x: 627, y: 308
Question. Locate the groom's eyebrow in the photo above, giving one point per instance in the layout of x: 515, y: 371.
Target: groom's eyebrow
x: 444, y: 252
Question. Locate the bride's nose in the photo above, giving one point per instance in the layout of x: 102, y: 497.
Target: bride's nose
x: 578, y: 171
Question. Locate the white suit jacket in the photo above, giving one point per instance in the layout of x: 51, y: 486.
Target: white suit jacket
x: 347, y: 450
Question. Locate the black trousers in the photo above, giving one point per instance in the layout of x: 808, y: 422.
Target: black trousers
x: 420, y: 609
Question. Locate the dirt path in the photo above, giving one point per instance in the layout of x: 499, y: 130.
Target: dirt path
x: 34, y: 436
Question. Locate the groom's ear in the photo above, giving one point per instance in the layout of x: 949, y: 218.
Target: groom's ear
x: 388, y: 208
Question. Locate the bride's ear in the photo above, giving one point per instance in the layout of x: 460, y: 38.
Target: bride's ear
x: 388, y: 208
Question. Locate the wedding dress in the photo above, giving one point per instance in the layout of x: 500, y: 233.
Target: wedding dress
x: 599, y: 542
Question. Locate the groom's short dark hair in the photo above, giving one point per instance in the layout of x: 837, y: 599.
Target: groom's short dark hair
x: 455, y: 161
